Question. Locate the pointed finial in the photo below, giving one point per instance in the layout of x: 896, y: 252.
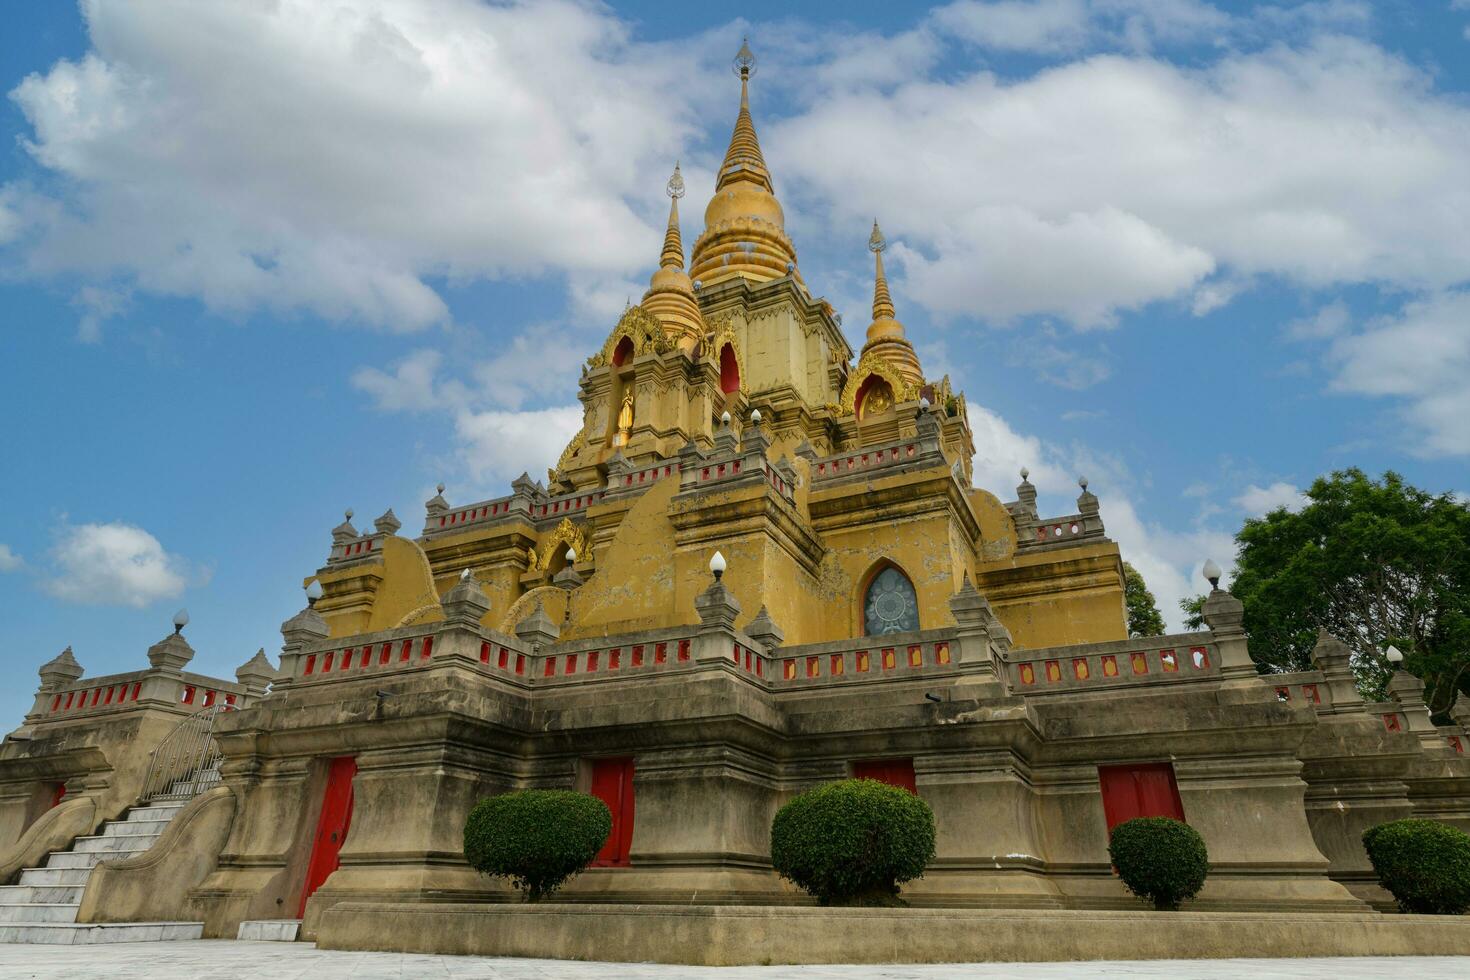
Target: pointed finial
x: 675, y: 187
x: 744, y: 63
x: 876, y: 241
x: 882, y: 302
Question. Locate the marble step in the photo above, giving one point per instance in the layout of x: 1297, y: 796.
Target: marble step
x: 38, y: 912
x: 75, y: 934
x: 106, y: 845
x: 154, y: 811
x: 89, y: 859
x: 28, y: 894
x: 133, y: 828
x: 270, y: 930
x: 55, y: 876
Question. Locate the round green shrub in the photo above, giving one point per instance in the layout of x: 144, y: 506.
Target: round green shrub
x: 853, y: 842
x: 538, y: 838
x: 1424, y: 864
x: 1160, y: 860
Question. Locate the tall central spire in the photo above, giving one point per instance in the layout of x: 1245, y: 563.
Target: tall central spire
x: 744, y: 226
x: 743, y: 160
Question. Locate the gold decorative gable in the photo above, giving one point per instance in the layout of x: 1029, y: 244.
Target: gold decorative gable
x: 639, y: 326
x: 571, y: 534
x: 721, y: 333
x: 870, y: 364
x: 568, y: 454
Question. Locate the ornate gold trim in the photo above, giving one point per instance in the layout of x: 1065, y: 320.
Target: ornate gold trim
x: 639, y: 326
x: 722, y: 333
x: 572, y: 534
x: 870, y: 364
x: 579, y: 441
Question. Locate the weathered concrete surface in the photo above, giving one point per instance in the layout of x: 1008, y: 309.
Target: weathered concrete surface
x: 740, y: 935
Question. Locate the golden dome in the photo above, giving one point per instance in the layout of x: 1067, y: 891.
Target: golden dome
x: 885, y: 334
x: 670, y: 295
x: 744, y: 226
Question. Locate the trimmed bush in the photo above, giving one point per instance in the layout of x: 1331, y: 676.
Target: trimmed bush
x: 538, y: 838
x: 1424, y: 864
x: 853, y: 842
x: 1160, y: 860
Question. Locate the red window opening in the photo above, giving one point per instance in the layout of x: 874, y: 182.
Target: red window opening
x: 331, y: 827
x: 894, y: 772
x: 729, y: 370
x: 612, y: 783
x: 58, y: 794
x: 1139, y: 791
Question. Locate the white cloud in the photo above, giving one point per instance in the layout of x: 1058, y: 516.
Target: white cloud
x: 9, y: 560
x: 1111, y: 182
x: 113, y: 564
x: 413, y: 386
x: 331, y: 155
x: 497, y: 446
x: 1169, y: 560
x: 1421, y: 356
x: 1260, y: 501
x: 1330, y: 321
x: 495, y: 436
x: 538, y: 363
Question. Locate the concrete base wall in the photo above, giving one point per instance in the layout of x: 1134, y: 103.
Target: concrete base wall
x: 737, y: 935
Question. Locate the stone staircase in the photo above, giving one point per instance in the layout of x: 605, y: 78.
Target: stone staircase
x: 42, y: 908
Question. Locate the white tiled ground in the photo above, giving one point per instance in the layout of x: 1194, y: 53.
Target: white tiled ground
x: 221, y: 960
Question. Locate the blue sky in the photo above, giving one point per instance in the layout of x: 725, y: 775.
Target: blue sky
x: 262, y: 263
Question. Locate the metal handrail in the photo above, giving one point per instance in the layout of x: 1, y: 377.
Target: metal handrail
x: 186, y: 762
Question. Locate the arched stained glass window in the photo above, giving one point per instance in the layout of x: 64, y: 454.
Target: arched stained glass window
x: 890, y: 605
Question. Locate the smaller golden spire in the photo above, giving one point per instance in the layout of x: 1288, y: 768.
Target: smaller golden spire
x: 670, y: 295
x: 886, y: 335
x: 673, y: 253
x: 882, y: 302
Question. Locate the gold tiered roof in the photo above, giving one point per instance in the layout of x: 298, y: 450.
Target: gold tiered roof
x: 670, y: 295
x: 744, y: 226
x: 886, y: 335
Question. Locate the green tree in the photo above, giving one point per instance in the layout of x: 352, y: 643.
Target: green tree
x: 1375, y: 562
x: 1194, y: 612
x: 1144, y: 618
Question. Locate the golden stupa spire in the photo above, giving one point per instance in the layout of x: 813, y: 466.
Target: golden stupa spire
x: 743, y: 159
x: 886, y: 335
x: 670, y: 295
x: 744, y: 226
x: 673, y: 253
x: 882, y: 302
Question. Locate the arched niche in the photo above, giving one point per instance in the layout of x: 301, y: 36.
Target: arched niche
x: 888, y: 602
x: 729, y: 370
x: 621, y: 388
x: 874, y: 397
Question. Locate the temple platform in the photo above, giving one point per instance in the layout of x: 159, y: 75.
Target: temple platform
x: 765, y: 935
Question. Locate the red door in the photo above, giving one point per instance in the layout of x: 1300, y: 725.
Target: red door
x: 894, y: 772
x: 612, y: 783
x: 331, y: 827
x: 1139, y: 791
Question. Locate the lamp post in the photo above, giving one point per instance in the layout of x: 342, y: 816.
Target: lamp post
x: 717, y: 565
x: 1212, y: 573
